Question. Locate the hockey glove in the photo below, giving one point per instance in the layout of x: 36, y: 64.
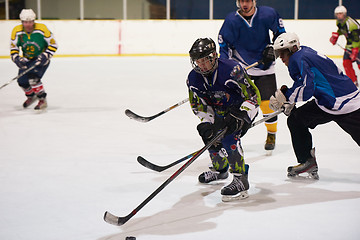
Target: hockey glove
x: 279, y: 101
x: 207, y: 131
x: 237, y: 73
x: 21, y: 62
x: 43, y: 59
x: 354, y: 54
x: 237, y: 120
x: 268, y: 56
x: 334, y: 38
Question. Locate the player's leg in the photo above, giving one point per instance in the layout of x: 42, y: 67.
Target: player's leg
x: 348, y: 66
x: 23, y: 82
x: 267, y: 87
x: 237, y: 189
x: 219, y: 168
x: 350, y: 124
x: 301, y: 119
x: 37, y: 85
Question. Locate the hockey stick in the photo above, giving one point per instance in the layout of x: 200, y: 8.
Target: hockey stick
x: 139, y: 118
x: 112, y: 219
x: 347, y: 50
x: 158, y: 168
x: 20, y: 75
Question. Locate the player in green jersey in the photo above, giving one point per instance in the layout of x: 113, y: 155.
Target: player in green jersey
x: 38, y: 46
x: 350, y: 28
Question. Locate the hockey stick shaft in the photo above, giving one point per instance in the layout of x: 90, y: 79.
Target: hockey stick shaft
x: 112, y: 219
x: 158, y: 168
x: 19, y: 76
x: 347, y: 50
x: 139, y: 118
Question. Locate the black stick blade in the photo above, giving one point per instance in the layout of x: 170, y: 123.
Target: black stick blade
x: 150, y: 165
x: 136, y: 117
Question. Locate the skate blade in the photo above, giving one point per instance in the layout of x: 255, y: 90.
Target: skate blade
x: 308, y: 176
x: 269, y: 152
x: 239, y: 196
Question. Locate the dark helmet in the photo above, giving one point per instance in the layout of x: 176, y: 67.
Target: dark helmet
x: 204, y: 48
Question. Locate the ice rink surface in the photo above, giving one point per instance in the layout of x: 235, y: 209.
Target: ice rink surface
x: 60, y: 170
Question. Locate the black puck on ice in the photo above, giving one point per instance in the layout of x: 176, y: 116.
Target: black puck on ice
x: 130, y: 238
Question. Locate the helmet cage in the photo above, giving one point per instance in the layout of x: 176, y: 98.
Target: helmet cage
x: 205, y: 65
x: 203, y: 56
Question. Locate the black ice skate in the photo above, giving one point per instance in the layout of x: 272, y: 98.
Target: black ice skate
x: 210, y: 176
x: 237, y: 189
x: 270, y: 142
x: 41, y: 105
x: 30, y: 100
x: 310, y: 167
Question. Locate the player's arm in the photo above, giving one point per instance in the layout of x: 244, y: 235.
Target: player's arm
x: 241, y: 116
x: 277, y: 26
x: 45, y: 57
x: 224, y: 40
x: 14, y: 49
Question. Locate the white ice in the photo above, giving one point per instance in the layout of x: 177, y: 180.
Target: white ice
x: 60, y: 170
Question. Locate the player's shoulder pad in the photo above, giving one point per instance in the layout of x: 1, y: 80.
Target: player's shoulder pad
x: 42, y: 27
x: 15, y: 30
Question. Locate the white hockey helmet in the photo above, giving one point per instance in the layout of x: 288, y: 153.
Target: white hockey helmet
x: 286, y: 41
x: 239, y: 6
x: 27, y: 15
x: 340, y: 9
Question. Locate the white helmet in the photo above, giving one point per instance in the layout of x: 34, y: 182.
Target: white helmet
x: 239, y: 6
x: 27, y: 15
x: 340, y: 9
x: 286, y: 41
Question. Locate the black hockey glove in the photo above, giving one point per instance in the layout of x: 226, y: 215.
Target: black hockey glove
x: 268, y: 56
x: 43, y: 59
x: 20, y: 62
x: 237, y: 120
x: 207, y: 131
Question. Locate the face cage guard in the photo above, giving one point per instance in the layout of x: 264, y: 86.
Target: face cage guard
x: 211, y: 58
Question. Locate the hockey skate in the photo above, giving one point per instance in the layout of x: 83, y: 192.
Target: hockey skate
x: 41, y: 105
x: 309, y: 167
x: 210, y: 176
x: 30, y: 100
x: 270, y: 142
x: 237, y: 189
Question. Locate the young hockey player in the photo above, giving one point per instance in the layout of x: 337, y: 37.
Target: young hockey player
x: 222, y: 95
x: 244, y: 37
x: 350, y: 28
x: 336, y: 99
x: 38, y: 46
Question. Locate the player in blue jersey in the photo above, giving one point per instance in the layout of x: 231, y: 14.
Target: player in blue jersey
x: 221, y: 94
x: 244, y: 37
x: 336, y: 98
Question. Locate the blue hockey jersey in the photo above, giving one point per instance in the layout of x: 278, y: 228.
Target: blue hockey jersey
x: 244, y: 41
x: 213, y: 95
x: 317, y: 76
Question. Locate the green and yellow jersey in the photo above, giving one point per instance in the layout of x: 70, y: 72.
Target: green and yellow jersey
x: 350, y: 28
x: 32, y: 44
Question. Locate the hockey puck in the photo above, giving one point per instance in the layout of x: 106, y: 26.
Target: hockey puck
x: 130, y: 238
